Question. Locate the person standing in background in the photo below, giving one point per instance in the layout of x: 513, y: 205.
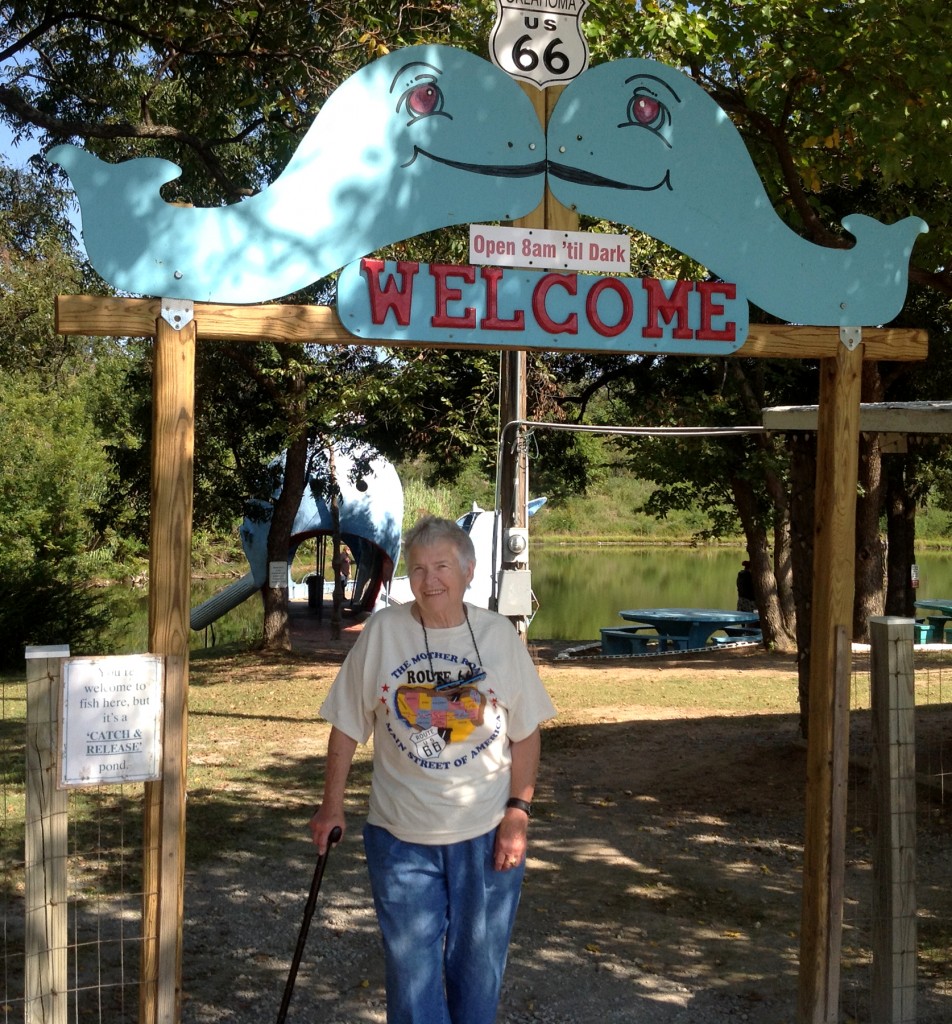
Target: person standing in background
x: 746, y: 601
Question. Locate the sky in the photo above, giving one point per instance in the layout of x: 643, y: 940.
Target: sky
x: 17, y: 155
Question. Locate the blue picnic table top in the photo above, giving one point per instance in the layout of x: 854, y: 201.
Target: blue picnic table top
x: 943, y: 607
x: 938, y: 613
x: 688, y: 628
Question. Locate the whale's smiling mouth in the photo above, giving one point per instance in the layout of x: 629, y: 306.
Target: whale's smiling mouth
x: 494, y: 170
x: 579, y: 177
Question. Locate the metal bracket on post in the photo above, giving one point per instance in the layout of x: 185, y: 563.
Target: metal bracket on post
x: 177, y: 313
x: 851, y: 337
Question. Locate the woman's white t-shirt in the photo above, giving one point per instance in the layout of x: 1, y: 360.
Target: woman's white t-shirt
x: 441, y: 745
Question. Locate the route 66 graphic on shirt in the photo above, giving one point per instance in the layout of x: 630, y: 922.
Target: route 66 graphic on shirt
x: 439, y: 716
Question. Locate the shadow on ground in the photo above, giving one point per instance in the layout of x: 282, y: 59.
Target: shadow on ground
x: 664, y: 887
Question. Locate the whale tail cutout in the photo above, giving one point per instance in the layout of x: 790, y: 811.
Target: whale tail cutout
x: 87, y: 172
x: 897, y: 239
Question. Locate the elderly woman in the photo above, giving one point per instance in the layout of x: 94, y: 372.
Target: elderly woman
x: 454, y: 703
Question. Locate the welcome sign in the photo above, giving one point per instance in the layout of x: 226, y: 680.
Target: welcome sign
x: 489, y: 306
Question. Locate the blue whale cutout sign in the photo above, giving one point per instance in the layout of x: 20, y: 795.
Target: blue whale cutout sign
x: 422, y: 138
x: 431, y: 136
x: 637, y: 142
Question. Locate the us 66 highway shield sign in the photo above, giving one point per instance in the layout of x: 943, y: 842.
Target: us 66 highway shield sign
x: 539, y: 41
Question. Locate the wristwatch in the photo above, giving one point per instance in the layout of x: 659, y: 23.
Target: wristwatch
x: 522, y: 805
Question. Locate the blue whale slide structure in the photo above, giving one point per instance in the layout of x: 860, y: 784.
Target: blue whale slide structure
x: 371, y: 519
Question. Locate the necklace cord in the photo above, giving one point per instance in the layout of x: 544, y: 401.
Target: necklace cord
x: 472, y: 636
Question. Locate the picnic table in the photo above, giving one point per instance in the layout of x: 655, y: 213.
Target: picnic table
x: 689, y: 628
x: 941, y: 613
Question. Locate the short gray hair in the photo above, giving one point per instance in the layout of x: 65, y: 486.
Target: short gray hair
x: 431, y: 530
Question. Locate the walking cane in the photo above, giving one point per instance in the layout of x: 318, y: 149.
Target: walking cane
x: 306, y: 923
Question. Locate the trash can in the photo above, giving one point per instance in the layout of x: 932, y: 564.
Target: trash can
x: 315, y: 593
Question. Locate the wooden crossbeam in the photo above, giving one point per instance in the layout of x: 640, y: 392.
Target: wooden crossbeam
x: 106, y: 316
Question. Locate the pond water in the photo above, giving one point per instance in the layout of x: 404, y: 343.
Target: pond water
x: 579, y: 589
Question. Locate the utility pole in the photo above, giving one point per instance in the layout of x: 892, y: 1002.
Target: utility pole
x: 513, y: 461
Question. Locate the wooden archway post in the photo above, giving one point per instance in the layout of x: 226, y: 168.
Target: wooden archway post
x: 170, y: 544
x: 834, y: 555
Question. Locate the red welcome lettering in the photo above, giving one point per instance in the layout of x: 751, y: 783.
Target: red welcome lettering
x: 591, y: 307
x: 491, y: 321
x: 667, y: 308
x: 711, y: 309
x: 391, y: 296
x: 567, y: 281
x: 441, y: 273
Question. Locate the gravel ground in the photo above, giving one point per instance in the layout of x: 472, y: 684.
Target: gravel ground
x: 664, y: 887
x: 658, y: 892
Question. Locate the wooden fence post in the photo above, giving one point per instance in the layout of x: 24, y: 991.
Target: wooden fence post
x: 173, y: 444
x: 828, y: 740
x: 45, y: 842
x: 893, y: 701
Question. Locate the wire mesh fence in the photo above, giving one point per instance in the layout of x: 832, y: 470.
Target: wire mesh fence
x: 103, y: 892
x: 929, y: 1003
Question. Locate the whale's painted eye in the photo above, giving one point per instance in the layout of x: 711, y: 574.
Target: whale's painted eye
x: 644, y: 109
x: 647, y: 111
x: 422, y: 100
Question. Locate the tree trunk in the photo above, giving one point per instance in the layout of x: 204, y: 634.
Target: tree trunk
x: 783, y: 573
x: 870, y: 569
x: 901, y: 535
x: 337, y: 601
x: 772, y: 620
x: 276, y: 635
x: 802, y: 524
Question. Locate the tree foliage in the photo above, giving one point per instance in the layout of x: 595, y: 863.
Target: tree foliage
x: 844, y: 108
x: 52, y: 474
x: 54, y: 469
x: 227, y: 88
x: 226, y: 91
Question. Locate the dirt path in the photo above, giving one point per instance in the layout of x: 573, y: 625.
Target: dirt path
x: 664, y: 883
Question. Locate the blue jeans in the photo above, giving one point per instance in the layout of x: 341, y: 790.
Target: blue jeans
x: 446, y: 917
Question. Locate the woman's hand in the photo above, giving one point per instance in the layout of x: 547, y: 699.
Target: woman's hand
x: 512, y: 834
x: 323, y: 822
x: 512, y: 840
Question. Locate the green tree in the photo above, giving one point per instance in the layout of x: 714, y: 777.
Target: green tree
x: 226, y: 92
x: 54, y: 469
x: 844, y: 108
x: 51, y: 476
